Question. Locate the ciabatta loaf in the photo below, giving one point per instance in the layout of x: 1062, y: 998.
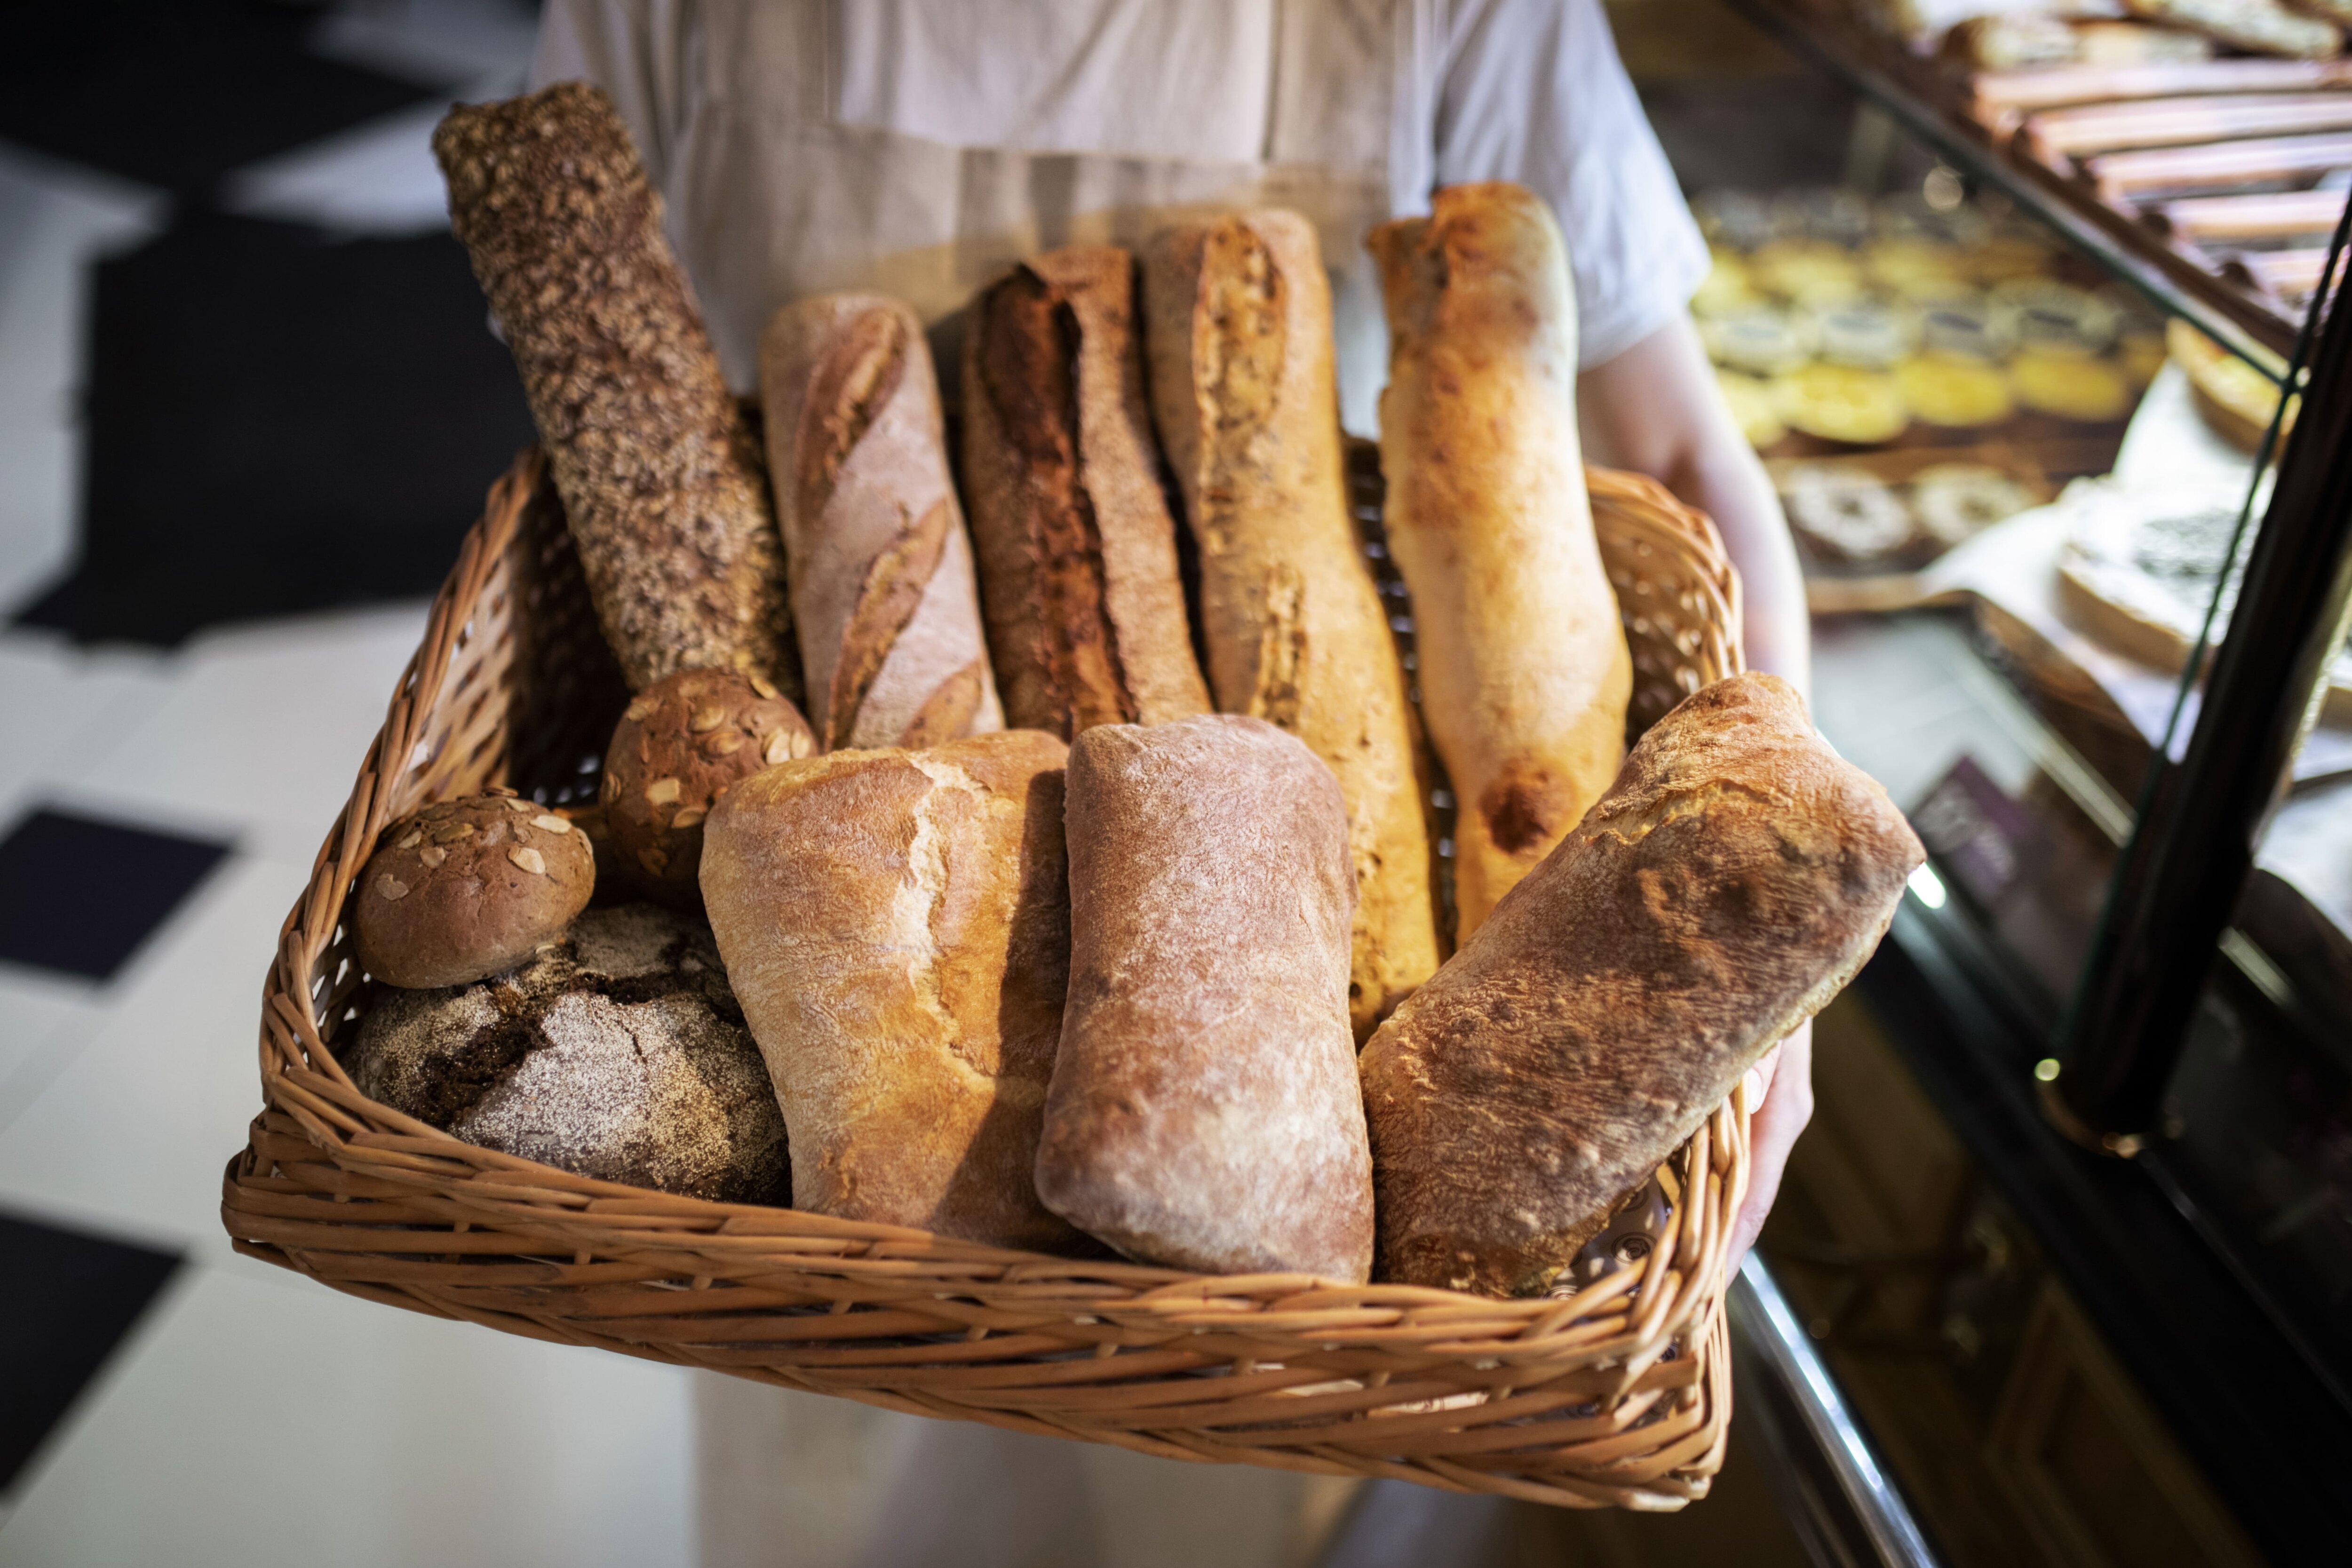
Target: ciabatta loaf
x: 1238, y: 315
x: 883, y: 593
x: 895, y: 925
x: 1078, y: 547
x: 1729, y: 883
x: 1205, y: 1111
x: 1523, y: 669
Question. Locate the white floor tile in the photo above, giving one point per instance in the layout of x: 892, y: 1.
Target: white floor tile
x: 262, y: 729
x: 249, y: 1427
x: 34, y: 1007
x: 62, y: 707
x: 133, y: 1132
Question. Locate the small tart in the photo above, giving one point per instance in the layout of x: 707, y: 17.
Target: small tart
x: 1739, y: 220
x: 1954, y: 501
x: 1918, y: 270
x: 1967, y: 327
x: 1842, y: 403
x: 1864, y: 332
x: 1752, y: 404
x: 1845, y: 515
x: 1761, y: 339
x: 2053, y: 317
x: 2236, y: 401
x: 2089, y: 390
x: 1725, y: 291
x: 1839, y: 217
x: 1955, y: 390
x: 1807, y: 272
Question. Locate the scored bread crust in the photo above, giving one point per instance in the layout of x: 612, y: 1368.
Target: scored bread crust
x: 1238, y: 318
x: 883, y: 591
x: 1524, y: 668
x: 1729, y: 883
x: 1205, y: 1113
x: 659, y: 475
x: 1078, y: 547
x: 895, y: 925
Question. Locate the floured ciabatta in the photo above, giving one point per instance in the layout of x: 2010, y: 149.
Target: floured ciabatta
x: 1729, y: 884
x: 618, y: 1054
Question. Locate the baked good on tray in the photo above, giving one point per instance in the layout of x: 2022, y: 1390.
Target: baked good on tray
x: 619, y: 1053
x: 679, y: 744
x: 468, y: 887
x: 896, y: 927
x: 1843, y: 403
x: 1525, y: 673
x: 2259, y: 26
x: 883, y: 594
x: 1238, y: 319
x: 1204, y: 1111
x: 659, y: 476
x: 1729, y: 883
x: 1077, y: 546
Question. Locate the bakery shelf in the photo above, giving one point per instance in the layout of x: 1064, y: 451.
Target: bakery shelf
x: 2141, y: 167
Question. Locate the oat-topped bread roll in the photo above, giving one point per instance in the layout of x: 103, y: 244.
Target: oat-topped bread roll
x: 1729, y: 884
x: 1524, y: 670
x: 897, y: 925
x: 660, y: 478
x: 1077, y: 548
x: 882, y: 578
x: 1238, y: 315
x: 1205, y: 1113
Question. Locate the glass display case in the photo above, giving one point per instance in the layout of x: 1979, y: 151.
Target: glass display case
x: 2039, y: 360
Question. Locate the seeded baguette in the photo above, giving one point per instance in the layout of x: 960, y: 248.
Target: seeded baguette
x: 883, y: 592
x: 1078, y: 547
x: 1238, y: 318
x: 1524, y: 671
x: 659, y: 476
x: 1729, y: 883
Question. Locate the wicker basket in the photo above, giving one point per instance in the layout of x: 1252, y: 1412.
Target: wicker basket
x: 1619, y: 1394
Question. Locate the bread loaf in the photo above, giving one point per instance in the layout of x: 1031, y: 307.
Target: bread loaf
x: 660, y: 478
x: 896, y: 926
x: 1238, y: 315
x: 1077, y: 548
x: 1729, y: 883
x: 1523, y: 669
x: 1205, y: 1113
x: 882, y: 579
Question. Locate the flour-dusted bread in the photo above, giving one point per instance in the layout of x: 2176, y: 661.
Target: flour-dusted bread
x: 897, y: 925
x: 1205, y: 1113
x: 1729, y: 883
x: 660, y: 478
x: 1238, y: 314
x: 1523, y: 669
x: 883, y: 595
x: 468, y: 887
x: 1078, y: 547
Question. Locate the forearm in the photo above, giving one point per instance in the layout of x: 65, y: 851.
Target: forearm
x: 1655, y: 409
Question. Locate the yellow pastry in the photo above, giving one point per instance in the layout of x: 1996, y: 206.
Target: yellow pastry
x: 1724, y: 290
x: 2237, y: 401
x: 1966, y: 326
x: 1955, y: 390
x: 2052, y: 318
x: 1842, y: 403
x: 2089, y: 390
x: 1808, y: 272
x: 2013, y: 251
x: 1918, y: 268
x: 1864, y: 332
x: 1751, y: 402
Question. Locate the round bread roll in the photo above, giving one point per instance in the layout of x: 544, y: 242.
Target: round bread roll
x: 1845, y: 514
x: 619, y: 1054
x: 2089, y: 390
x: 1760, y: 340
x: 466, y: 888
x: 1840, y: 403
x: 1955, y: 390
x: 677, y: 746
x: 1864, y: 332
x: 1751, y: 402
x: 2055, y: 318
x: 1954, y: 501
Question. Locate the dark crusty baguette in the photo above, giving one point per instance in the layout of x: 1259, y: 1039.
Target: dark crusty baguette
x: 883, y: 595
x: 660, y: 478
x: 1077, y: 548
x: 1238, y: 318
x: 895, y: 925
x: 1729, y: 883
x: 1205, y: 1113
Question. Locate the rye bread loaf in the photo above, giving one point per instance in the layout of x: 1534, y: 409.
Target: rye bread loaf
x: 1205, y: 1113
x: 618, y: 1054
x: 883, y: 595
x: 1078, y: 547
x: 1524, y: 668
x: 1238, y: 319
x: 1729, y: 884
x: 659, y: 476
x: 897, y: 925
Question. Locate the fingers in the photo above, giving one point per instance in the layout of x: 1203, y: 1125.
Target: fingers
x: 1787, y: 1104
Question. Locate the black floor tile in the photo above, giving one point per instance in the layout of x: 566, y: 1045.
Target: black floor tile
x: 69, y: 1301
x: 278, y: 422
x: 79, y: 895
x: 176, y: 93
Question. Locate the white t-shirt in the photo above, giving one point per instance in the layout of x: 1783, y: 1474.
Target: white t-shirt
x: 920, y: 146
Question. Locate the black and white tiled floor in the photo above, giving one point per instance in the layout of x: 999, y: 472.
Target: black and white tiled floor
x: 162, y: 794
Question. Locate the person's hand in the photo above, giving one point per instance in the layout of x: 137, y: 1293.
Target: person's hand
x: 1780, y: 1094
